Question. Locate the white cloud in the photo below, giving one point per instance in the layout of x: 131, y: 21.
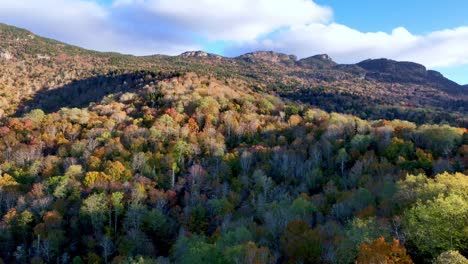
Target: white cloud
x: 232, y: 20
x: 347, y: 45
x: 86, y: 24
x: 299, y: 27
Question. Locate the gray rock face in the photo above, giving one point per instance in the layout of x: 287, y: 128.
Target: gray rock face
x: 269, y: 57
x: 199, y: 54
x: 321, y: 61
x: 194, y: 54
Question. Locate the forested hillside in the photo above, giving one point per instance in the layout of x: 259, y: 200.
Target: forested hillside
x: 107, y: 158
x: 372, y: 89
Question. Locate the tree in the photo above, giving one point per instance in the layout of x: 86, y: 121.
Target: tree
x: 380, y: 251
x: 341, y: 159
x: 300, y: 243
x: 195, y: 250
x: 355, y: 202
x: 208, y: 108
x: 245, y: 161
x: 36, y: 116
x: 357, y: 232
x: 248, y: 253
x: 263, y: 183
x: 117, y: 171
x: 438, y: 225
x: 161, y: 229
x: 95, y: 177
x: 294, y: 120
x: 197, y: 221
x: 107, y: 247
x: 440, y: 139
x: 138, y: 161
x: 50, y: 235
x: 95, y: 207
x: 302, y: 208
x: 235, y: 237
x: 421, y: 187
x: 117, y: 205
x: 265, y: 106
x: 451, y: 257
x: 74, y: 171
x: 136, y: 241
x: 361, y: 143
x: 398, y: 148
x: 181, y: 150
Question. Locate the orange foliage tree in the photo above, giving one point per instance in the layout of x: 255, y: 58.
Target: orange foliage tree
x: 381, y: 252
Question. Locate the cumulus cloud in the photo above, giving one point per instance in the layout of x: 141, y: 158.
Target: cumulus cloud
x: 87, y: 24
x: 231, y: 20
x: 347, y: 45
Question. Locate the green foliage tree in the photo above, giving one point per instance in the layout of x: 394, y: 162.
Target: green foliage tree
x: 117, y: 207
x: 440, y: 139
x: 195, y: 250
x: 95, y: 207
x: 357, y: 232
x: 302, y: 208
x: 301, y: 244
x: 438, y: 225
x: 421, y: 187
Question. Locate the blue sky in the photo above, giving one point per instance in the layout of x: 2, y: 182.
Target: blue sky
x: 431, y: 32
x: 418, y: 16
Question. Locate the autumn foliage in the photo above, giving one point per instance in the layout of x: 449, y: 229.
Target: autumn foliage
x: 381, y: 252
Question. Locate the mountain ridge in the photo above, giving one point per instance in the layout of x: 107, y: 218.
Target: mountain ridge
x: 379, y: 88
x: 263, y: 55
x: 197, y: 158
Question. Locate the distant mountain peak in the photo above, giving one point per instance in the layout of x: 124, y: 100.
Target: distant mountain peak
x: 269, y: 56
x: 323, y: 57
x: 386, y: 70
x: 319, y: 61
x: 387, y: 65
x: 198, y: 54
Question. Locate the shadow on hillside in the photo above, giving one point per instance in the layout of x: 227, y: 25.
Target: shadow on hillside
x: 439, y: 111
x: 81, y: 93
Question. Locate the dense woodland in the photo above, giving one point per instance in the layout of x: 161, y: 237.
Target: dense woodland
x: 170, y: 166
x: 190, y: 170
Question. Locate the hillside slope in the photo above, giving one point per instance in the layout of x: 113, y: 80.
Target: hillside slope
x: 370, y: 89
x: 199, y: 159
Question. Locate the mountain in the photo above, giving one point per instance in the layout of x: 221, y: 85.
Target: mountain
x: 322, y: 61
x: 408, y: 72
x: 369, y: 89
x: 269, y: 57
x: 198, y: 158
x: 199, y: 54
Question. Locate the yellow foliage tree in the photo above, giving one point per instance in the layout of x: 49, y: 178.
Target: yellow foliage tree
x: 94, y: 177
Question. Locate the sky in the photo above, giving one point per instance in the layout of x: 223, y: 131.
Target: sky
x: 430, y: 32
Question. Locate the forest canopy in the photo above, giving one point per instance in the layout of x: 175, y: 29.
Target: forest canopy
x: 192, y: 169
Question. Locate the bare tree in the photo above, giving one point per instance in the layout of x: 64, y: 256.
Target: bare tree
x: 107, y: 247
x: 246, y: 161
